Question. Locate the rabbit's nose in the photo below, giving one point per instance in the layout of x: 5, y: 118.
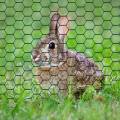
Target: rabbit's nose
x: 35, y: 56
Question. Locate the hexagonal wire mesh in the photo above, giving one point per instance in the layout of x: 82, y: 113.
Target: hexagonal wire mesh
x: 94, y: 31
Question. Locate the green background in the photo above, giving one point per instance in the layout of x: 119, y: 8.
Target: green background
x: 94, y: 31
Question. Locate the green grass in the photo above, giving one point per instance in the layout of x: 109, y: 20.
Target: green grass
x: 94, y: 31
x: 105, y: 105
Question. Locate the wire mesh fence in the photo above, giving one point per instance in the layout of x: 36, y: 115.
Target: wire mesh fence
x: 94, y: 31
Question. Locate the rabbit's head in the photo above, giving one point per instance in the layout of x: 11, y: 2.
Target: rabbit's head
x: 50, y: 50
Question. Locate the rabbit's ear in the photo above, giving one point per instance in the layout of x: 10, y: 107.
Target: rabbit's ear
x: 63, y: 27
x: 53, y: 24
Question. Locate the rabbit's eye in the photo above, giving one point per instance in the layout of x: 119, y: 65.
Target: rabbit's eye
x: 52, y: 45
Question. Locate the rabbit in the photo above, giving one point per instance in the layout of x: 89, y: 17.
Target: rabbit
x: 57, y: 66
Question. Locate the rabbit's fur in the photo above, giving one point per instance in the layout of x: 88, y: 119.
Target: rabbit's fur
x: 60, y: 67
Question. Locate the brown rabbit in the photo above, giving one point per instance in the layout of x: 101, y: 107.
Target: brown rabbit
x: 59, y: 67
